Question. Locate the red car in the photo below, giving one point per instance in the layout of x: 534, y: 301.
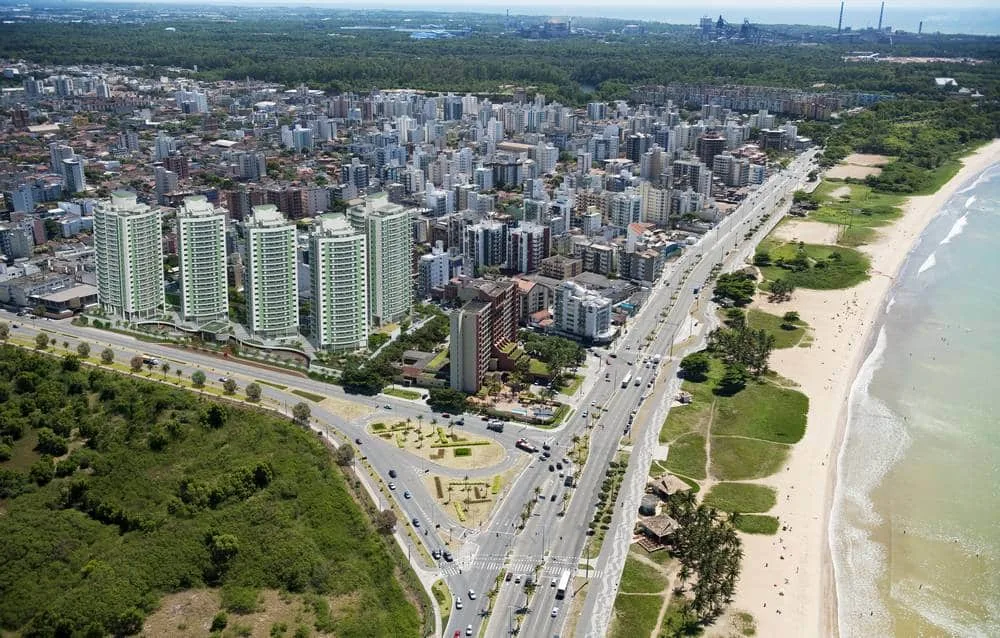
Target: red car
x: 458, y: 633
x: 446, y: 415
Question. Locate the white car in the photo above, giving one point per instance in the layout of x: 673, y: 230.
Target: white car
x: 472, y: 594
x: 458, y: 602
x: 555, y: 612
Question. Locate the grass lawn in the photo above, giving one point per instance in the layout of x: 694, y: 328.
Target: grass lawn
x: 687, y: 456
x: 864, y: 208
x: 635, y: 615
x: 695, y: 416
x: 757, y: 524
x: 315, y: 398
x: 402, y: 393
x: 572, y: 386
x: 825, y: 271
x: 438, y: 361
x: 741, y: 497
x: 443, y: 597
x: 273, y: 385
x: 738, y: 459
x: 762, y: 411
x: 783, y: 337
x: 538, y: 368
x: 640, y: 578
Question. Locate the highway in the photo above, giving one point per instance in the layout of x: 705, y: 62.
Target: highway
x: 565, y: 537
x: 554, y: 536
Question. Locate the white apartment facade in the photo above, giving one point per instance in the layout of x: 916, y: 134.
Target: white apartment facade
x: 129, y: 256
x: 389, y: 231
x: 201, y: 246
x: 339, y: 285
x: 271, y: 283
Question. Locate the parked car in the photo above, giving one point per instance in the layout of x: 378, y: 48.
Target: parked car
x: 552, y: 468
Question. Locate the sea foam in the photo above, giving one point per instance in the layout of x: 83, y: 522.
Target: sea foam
x: 957, y: 227
x: 874, y: 441
x: 929, y: 263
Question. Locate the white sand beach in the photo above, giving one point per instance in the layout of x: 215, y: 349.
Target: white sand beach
x: 787, y: 579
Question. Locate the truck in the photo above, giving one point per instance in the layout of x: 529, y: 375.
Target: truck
x: 526, y: 445
x: 563, y: 584
x: 625, y: 381
x: 495, y: 424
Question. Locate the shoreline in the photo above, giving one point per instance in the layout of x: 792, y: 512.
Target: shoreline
x: 788, y: 582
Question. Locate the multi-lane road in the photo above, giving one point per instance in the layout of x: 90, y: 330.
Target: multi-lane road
x: 554, y: 537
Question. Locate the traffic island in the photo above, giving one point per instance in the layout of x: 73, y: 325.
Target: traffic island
x: 445, y: 445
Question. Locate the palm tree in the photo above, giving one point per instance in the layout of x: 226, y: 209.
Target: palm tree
x: 164, y: 368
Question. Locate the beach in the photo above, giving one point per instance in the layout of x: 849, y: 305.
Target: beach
x: 787, y: 581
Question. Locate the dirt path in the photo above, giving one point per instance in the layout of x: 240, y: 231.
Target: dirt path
x: 709, y: 481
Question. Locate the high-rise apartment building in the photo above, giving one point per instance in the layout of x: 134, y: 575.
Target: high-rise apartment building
x: 582, y: 313
x: 74, y: 180
x: 470, y: 345
x: 201, y: 245
x: 339, y: 284
x: 389, y: 232
x: 129, y: 256
x: 271, y: 284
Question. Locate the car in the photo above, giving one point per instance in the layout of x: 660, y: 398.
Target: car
x: 460, y: 422
x: 446, y: 415
x: 559, y: 466
x: 447, y: 556
x: 392, y: 486
x: 553, y: 583
x: 555, y: 612
x: 416, y: 522
x: 546, y: 455
x: 613, y: 355
x: 224, y: 379
x: 458, y: 602
x: 468, y: 630
x: 387, y: 406
x: 585, y: 414
x: 407, y: 494
x: 553, y: 498
x: 458, y: 633
x: 436, y: 554
x: 552, y: 468
x: 392, y: 473
x: 517, y: 579
x: 546, y: 446
x: 472, y: 594
x: 508, y: 577
x: 15, y: 326
x: 357, y: 441
x: 593, y: 403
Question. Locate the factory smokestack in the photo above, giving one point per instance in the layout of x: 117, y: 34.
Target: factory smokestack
x: 881, y: 12
x: 840, y: 22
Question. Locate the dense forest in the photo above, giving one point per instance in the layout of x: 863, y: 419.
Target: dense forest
x: 298, y: 49
x: 115, y: 491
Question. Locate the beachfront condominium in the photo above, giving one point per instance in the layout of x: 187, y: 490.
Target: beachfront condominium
x: 271, y: 279
x: 389, y: 232
x: 339, y: 285
x: 129, y: 255
x: 201, y: 243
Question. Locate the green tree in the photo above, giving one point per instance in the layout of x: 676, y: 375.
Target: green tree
x: 301, y: 413
x: 164, y: 368
x: 198, y: 379
x: 781, y: 290
x: 253, y: 392
x: 51, y: 443
x: 229, y: 386
x: 83, y: 349
x: 107, y: 356
x: 738, y: 287
x: 41, y: 341
x: 42, y: 471
x: 135, y: 363
x: 734, y: 379
x: 695, y: 366
x: 447, y: 400
x: 385, y: 521
x: 343, y: 455
x: 4, y: 331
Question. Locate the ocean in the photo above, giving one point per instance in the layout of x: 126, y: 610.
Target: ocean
x: 915, y: 527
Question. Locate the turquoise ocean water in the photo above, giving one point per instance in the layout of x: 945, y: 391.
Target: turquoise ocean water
x: 915, y: 528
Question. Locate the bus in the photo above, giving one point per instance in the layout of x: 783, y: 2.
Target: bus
x: 563, y: 584
x: 628, y: 377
